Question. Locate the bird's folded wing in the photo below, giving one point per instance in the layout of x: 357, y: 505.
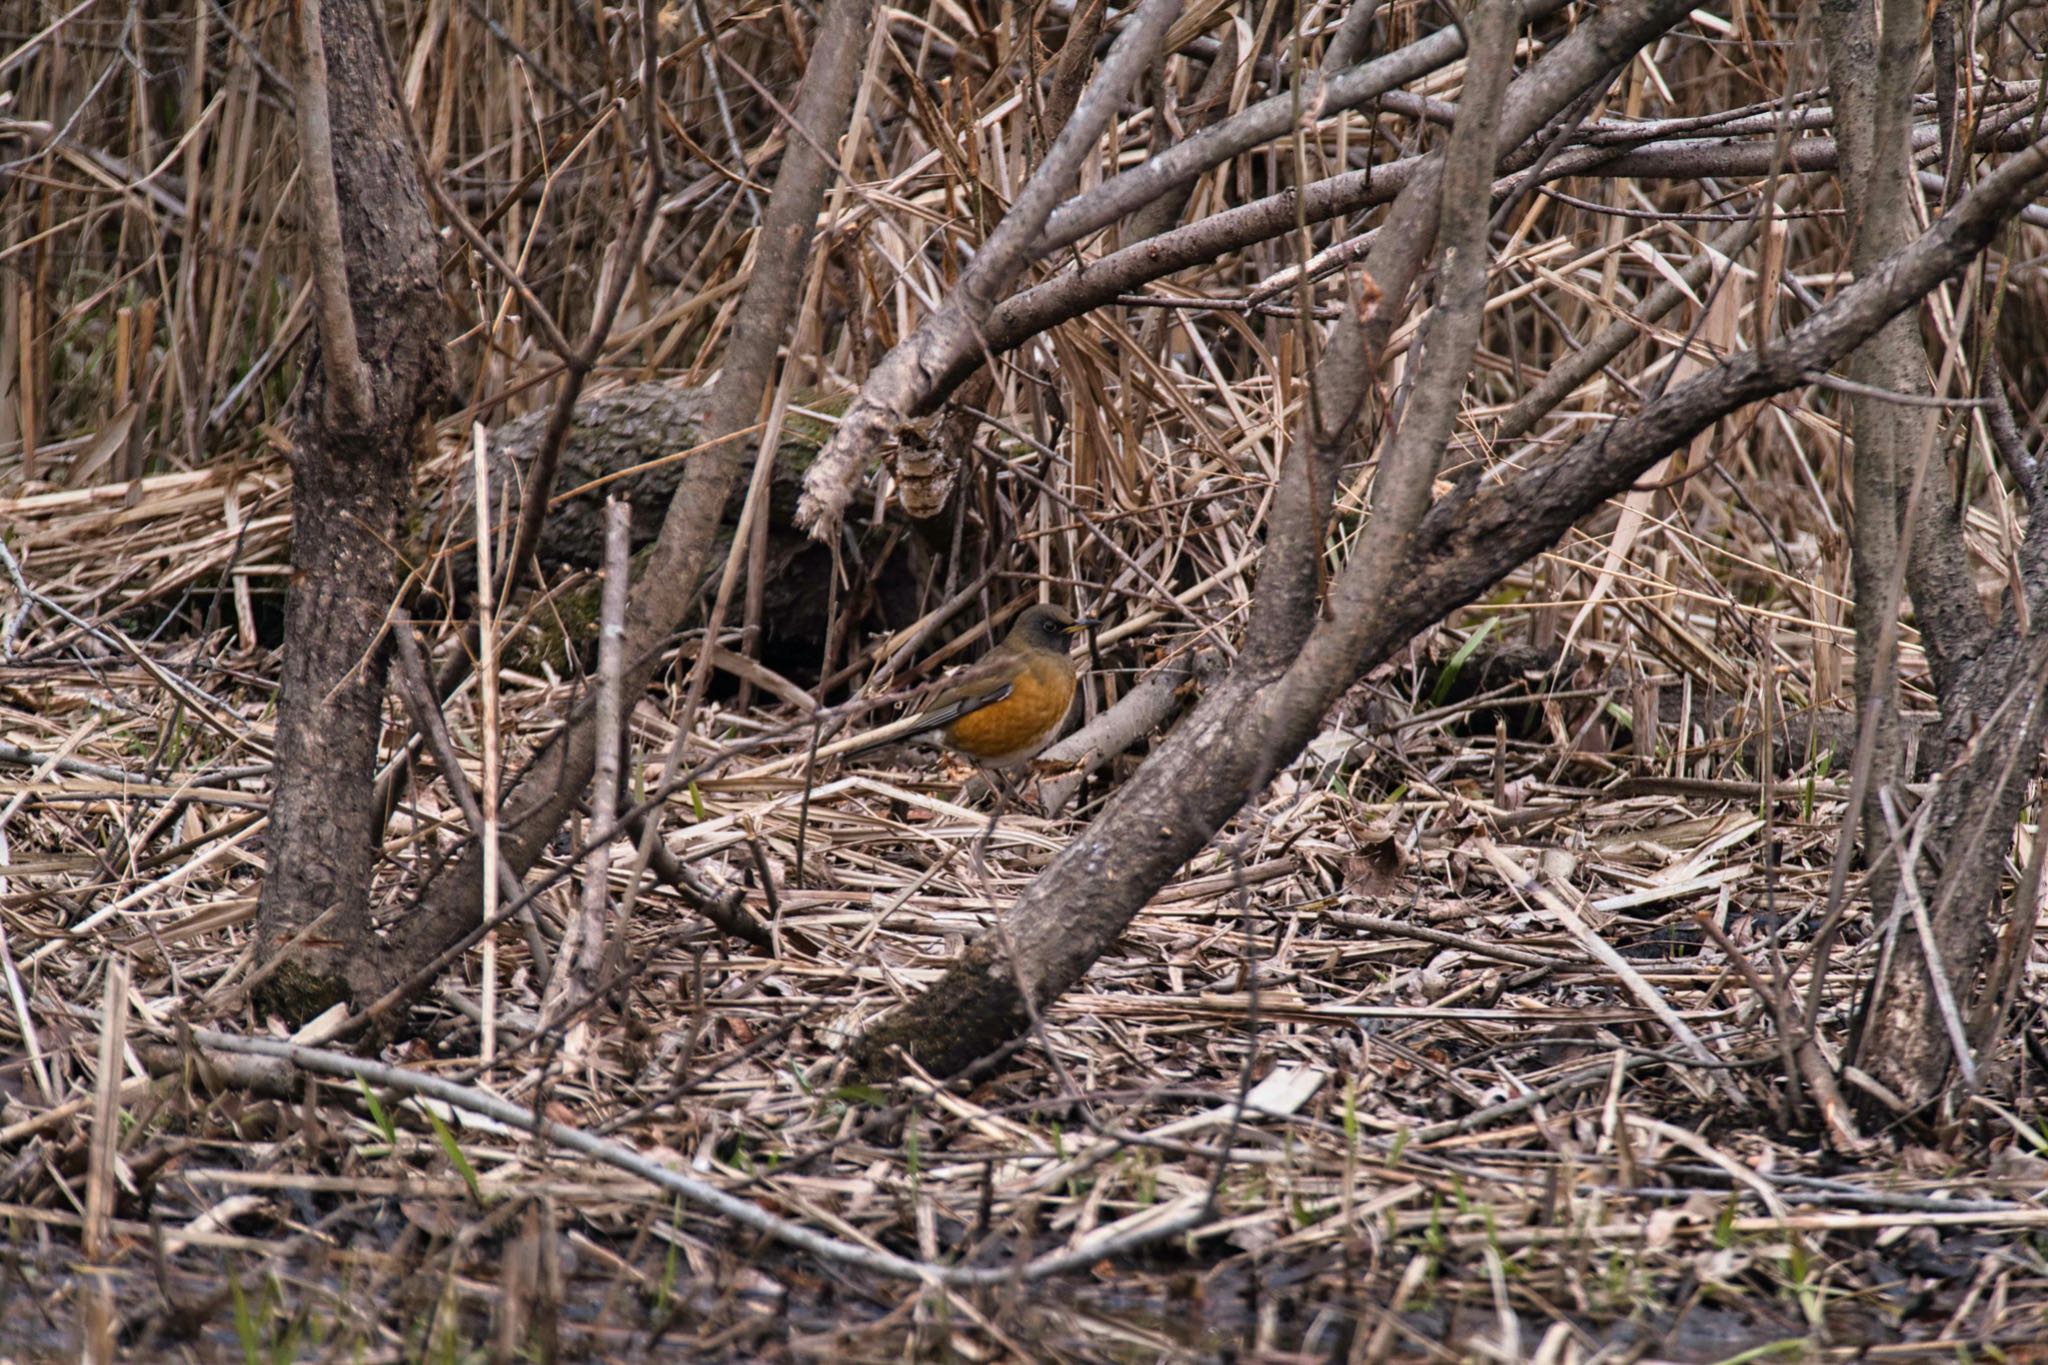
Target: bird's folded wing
x: 950, y: 708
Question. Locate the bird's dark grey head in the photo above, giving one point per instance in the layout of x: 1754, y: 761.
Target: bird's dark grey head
x: 1045, y: 627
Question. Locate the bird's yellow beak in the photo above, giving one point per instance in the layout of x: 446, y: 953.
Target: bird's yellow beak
x: 1083, y: 624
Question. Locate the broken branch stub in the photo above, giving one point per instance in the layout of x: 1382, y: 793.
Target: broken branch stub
x: 906, y: 383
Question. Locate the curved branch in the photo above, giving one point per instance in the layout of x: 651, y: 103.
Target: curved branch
x: 1588, y: 55
x: 1186, y: 161
x: 1139, y: 712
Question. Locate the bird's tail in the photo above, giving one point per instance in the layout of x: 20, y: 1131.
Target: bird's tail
x: 876, y: 745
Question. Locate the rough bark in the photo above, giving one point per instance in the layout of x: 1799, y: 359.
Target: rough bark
x: 1207, y: 767
x: 1987, y: 685
x: 1904, y: 1041
x: 352, y: 486
x: 550, y: 786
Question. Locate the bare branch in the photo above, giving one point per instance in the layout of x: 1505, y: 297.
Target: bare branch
x: 587, y: 937
x: 618, y: 277
x: 1137, y: 714
x: 1185, y: 161
x: 1208, y: 102
x: 1157, y: 1224
x: 1582, y: 59
x: 537, y: 312
x: 341, y: 357
x: 417, y: 691
x: 1575, y: 369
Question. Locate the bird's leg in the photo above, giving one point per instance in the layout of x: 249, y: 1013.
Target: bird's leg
x: 987, y: 781
x: 988, y: 834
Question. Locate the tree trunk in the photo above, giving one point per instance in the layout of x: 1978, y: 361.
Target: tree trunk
x: 351, y: 487
x: 1987, y: 681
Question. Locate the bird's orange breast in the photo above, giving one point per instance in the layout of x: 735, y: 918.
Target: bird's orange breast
x: 1020, y: 724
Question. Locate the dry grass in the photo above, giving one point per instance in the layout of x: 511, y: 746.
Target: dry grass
x: 1510, y: 1154
x: 1448, y: 1148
